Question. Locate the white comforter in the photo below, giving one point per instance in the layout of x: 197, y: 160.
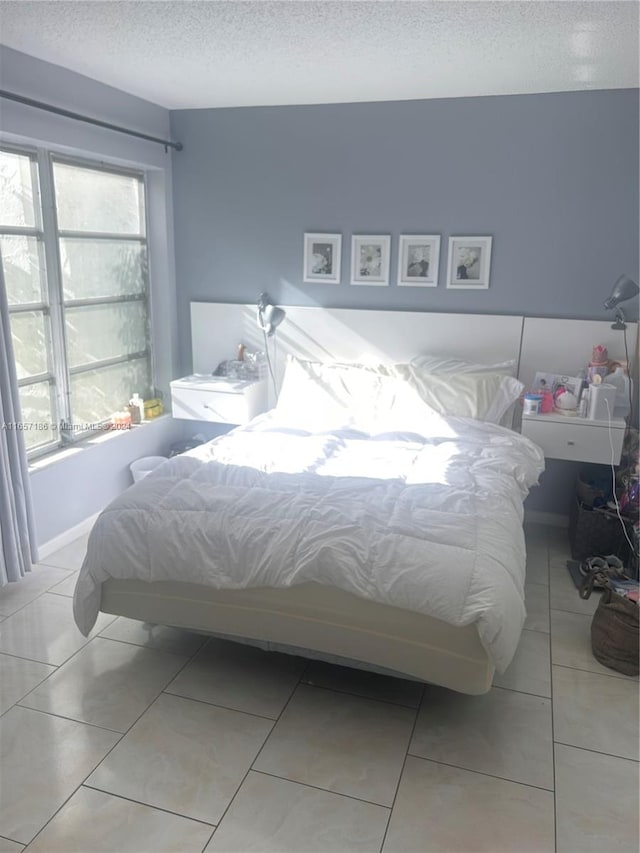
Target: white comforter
x: 430, y: 523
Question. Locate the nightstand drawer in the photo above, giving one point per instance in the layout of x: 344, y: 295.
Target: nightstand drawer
x: 199, y: 399
x: 575, y: 441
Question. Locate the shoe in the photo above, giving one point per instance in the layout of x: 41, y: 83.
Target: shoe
x: 596, y: 572
x: 610, y: 564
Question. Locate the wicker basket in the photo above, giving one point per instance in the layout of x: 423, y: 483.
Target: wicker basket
x: 615, y: 633
x: 587, y: 493
x: 598, y: 531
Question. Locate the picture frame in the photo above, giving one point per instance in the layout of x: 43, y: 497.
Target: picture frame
x: 554, y: 381
x: 469, y: 263
x: 370, y: 255
x: 322, y: 258
x: 418, y: 260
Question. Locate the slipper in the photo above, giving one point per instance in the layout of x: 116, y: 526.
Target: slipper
x: 594, y: 566
x: 610, y: 565
x: 596, y: 572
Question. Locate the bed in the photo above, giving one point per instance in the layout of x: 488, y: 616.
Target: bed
x: 373, y: 518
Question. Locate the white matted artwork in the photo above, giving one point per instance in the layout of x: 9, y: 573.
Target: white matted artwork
x: 469, y: 262
x: 322, y: 255
x: 370, y: 259
x: 418, y: 260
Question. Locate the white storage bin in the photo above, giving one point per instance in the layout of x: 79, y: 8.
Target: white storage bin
x: 141, y: 467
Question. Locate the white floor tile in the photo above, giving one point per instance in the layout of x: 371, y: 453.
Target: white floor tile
x: 443, y: 809
x: 530, y: 669
x: 363, y: 683
x: 43, y: 759
x: 536, y: 601
x: 241, y: 677
x: 270, y: 815
x: 503, y: 733
x: 184, y: 760
x: 106, y: 684
x: 595, y: 712
x: 564, y: 594
x: 571, y: 643
x: 535, y: 534
x: 596, y: 802
x: 94, y: 822
x: 7, y: 846
x: 66, y: 587
x: 18, y: 677
x: 14, y: 596
x: 537, y: 565
x: 339, y: 742
x: 559, y: 546
x: 44, y: 630
x: 184, y: 756
x: 71, y: 556
x: 154, y: 636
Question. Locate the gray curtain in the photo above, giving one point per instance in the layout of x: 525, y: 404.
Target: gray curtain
x: 17, y: 528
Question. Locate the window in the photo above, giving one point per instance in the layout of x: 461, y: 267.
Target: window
x: 74, y: 254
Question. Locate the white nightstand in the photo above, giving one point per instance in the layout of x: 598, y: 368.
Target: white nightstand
x: 576, y: 439
x: 203, y: 397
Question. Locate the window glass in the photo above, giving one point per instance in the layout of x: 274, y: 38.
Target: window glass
x: 94, y: 268
x: 23, y: 266
x: 16, y: 191
x: 99, y: 393
x: 97, y: 201
x: 101, y: 332
x: 30, y: 343
x: 37, y: 404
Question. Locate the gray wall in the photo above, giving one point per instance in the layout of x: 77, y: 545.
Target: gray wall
x: 67, y: 491
x: 554, y: 179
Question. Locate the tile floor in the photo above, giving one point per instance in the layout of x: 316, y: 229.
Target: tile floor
x: 150, y: 739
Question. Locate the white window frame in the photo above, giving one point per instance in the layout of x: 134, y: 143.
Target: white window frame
x: 48, y: 233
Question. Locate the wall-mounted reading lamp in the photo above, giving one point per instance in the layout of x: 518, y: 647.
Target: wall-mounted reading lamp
x: 623, y: 290
x: 269, y: 316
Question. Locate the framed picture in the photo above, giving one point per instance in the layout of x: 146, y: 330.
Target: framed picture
x: 418, y: 260
x: 370, y: 259
x: 322, y: 255
x: 469, y: 262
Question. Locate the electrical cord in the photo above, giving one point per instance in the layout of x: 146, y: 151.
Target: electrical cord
x: 263, y: 327
x: 269, y: 365
x: 613, y: 480
x: 626, y: 355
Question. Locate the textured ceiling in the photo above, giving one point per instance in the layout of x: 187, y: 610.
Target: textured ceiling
x: 214, y: 53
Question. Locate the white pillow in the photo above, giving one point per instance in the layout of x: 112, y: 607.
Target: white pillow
x: 320, y: 396
x: 444, y: 364
x: 483, y: 396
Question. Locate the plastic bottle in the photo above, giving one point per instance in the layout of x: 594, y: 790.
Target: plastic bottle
x: 620, y: 379
x: 138, y: 402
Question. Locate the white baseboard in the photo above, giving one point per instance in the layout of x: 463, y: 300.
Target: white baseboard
x: 553, y: 519
x: 66, y: 538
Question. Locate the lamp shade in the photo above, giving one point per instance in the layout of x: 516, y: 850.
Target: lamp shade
x: 269, y: 316
x: 624, y: 289
x: 273, y: 316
